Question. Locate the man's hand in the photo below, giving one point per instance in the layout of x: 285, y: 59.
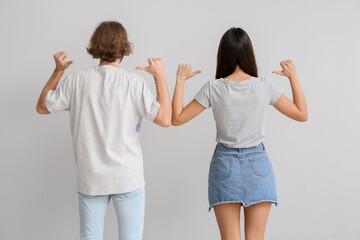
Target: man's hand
x: 156, y: 67
x: 60, y: 62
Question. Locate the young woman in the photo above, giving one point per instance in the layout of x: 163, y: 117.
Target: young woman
x: 240, y: 173
x: 106, y: 105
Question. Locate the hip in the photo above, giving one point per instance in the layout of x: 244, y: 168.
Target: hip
x: 251, y: 163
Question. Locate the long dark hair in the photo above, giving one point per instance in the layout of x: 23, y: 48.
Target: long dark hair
x: 235, y: 49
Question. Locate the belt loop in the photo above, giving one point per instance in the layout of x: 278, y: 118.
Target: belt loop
x: 263, y: 146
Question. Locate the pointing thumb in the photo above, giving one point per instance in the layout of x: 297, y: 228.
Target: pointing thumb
x: 141, y: 68
x: 278, y: 72
x: 69, y: 63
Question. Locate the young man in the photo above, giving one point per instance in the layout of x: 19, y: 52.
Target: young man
x: 106, y: 105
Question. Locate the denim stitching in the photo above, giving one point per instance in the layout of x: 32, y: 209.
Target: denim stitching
x: 256, y: 172
x: 242, y: 165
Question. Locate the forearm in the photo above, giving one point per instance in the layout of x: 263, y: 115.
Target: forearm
x: 177, y: 103
x: 50, y: 85
x: 298, y: 94
x: 163, y: 99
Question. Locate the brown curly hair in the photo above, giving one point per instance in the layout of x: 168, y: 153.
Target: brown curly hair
x: 109, y: 42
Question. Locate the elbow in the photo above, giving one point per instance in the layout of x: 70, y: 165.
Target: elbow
x: 41, y: 110
x: 166, y: 124
x: 175, y: 122
x: 303, y: 118
x: 163, y: 119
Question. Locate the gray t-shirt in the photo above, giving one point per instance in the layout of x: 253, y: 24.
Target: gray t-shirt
x: 239, y: 109
x: 106, y: 106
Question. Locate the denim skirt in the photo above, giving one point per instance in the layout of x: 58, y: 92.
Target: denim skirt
x: 241, y: 175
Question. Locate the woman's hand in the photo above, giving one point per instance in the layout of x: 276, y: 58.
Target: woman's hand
x: 185, y: 72
x: 156, y: 67
x: 288, y: 67
x: 60, y: 62
x: 297, y: 108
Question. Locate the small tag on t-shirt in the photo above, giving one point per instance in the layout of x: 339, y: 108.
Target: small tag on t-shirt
x: 138, y: 127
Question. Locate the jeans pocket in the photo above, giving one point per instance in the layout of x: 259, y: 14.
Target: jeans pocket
x: 260, y: 164
x: 221, y: 168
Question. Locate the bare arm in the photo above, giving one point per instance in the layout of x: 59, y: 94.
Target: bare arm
x: 157, y: 69
x: 163, y: 118
x: 296, y: 109
x: 61, y: 65
x: 181, y: 115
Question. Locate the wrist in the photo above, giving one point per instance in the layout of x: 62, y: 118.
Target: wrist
x: 59, y: 70
x: 159, y: 78
x: 180, y: 80
x: 293, y: 76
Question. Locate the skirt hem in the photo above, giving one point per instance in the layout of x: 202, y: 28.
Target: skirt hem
x: 242, y: 203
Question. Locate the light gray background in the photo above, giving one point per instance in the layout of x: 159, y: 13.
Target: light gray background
x: 316, y: 163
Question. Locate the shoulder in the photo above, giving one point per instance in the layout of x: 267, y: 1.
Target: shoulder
x: 208, y: 85
x: 132, y: 77
x: 211, y: 83
x: 80, y: 73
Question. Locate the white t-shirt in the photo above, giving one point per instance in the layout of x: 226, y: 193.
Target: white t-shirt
x: 239, y: 109
x: 106, y: 106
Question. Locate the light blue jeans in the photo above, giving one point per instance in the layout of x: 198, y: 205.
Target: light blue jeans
x: 129, y: 209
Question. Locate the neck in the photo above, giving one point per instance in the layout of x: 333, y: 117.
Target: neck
x: 115, y: 64
x: 238, y: 75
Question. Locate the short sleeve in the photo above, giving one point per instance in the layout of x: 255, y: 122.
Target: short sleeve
x: 59, y: 99
x: 146, y: 102
x: 203, y: 96
x: 274, y: 92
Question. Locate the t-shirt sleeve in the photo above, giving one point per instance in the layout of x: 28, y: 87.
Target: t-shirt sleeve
x: 146, y: 102
x: 274, y: 92
x: 203, y: 96
x: 59, y: 99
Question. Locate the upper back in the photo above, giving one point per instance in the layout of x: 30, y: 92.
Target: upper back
x: 239, y: 108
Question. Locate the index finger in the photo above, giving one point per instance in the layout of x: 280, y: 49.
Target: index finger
x: 58, y: 53
x: 282, y: 64
x: 62, y: 55
x: 150, y: 60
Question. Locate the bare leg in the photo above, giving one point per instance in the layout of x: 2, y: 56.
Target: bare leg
x: 228, y: 218
x: 255, y: 220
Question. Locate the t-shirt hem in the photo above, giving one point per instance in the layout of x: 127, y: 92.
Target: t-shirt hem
x: 155, y: 111
x: 200, y: 101
x: 111, y: 190
x: 276, y: 99
x: 253, y: 144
